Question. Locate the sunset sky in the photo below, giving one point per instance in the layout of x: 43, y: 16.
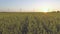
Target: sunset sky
x: 27, y: 5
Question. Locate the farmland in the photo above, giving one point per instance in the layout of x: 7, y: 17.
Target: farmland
x: 29, y: 23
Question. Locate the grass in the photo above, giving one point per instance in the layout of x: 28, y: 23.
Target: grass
x: 29, y: 23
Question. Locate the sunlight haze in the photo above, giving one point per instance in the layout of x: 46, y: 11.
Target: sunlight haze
x: 29, y: 5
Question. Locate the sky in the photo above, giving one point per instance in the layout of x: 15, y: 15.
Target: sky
x: 28, y: 5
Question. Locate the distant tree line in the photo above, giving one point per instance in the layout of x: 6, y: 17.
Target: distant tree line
x: 56, y: 11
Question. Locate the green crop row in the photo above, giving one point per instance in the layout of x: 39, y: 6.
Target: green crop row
x: 31, y: 23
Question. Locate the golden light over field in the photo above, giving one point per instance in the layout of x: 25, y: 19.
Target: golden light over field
x: 46, y: 8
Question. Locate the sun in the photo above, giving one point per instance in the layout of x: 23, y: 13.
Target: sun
x: 46, y: 8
